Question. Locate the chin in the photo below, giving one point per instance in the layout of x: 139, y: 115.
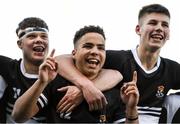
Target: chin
x: 93, y: 71
x: 155, y: 46
x: 155, y: 49
x: 38, y: 60
x: 39, y: 57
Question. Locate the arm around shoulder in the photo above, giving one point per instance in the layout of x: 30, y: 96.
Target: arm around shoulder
x: 108, y: 79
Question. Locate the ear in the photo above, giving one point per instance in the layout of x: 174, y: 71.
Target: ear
x: 73, y: 53
x: 137, y: 29
x: 19, y: 43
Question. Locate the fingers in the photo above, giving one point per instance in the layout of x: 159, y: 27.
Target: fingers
x: 98, y: 104
x: 132, y: 83
x: 52, y: 53
x: 104, y: 102
x: 60, y: 104
x: 50, y: 64
x: 134, y: 77
x: 129, y: 89
x: 68, y: 110
x: 71, y: 99
x: 63, y: 89
x: 129, y: 92
x: 64, y: 107
x: 63, y: 100
x: 93, y: 106
x: 51, y: 61
x: 71, y: 108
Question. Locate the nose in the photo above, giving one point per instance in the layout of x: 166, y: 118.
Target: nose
x: 159, y: 27
x: 94, y: 50
x: 38, y: 39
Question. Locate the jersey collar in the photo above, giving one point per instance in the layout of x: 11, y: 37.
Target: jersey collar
x: 24, y: 71
x: 134, y: 52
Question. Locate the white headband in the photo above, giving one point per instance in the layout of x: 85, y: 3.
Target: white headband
x: 22, y: 33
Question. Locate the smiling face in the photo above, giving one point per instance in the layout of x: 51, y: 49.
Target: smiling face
x: 153, y: 29
x: 35, y: 47
x: 89, y: 54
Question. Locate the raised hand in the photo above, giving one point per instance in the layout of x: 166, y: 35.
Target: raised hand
x: 130, y: 93
x: 47, y: 70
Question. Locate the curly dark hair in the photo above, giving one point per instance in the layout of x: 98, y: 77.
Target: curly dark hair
x: 31, y: 22
x: 88, y: 29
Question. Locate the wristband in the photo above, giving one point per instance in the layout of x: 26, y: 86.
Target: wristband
x: 132, y: 119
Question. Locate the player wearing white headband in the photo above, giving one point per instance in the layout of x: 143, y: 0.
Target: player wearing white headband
x: 23, y: 33
x: 20, y: 74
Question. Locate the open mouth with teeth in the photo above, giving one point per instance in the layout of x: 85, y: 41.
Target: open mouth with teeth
x: 39, y: 49
x: 158, y: 37
x: 93, y: 61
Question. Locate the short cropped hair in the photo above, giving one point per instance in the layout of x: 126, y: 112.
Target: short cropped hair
x: 88, y: 29
x: 153, y: 8
x: 31, y: 22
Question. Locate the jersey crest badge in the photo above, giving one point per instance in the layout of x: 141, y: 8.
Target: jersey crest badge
x: 160, y: 91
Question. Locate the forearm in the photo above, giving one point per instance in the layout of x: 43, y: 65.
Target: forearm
x: 26, y: 107
x: 107, y: 79
x: 67, y: 69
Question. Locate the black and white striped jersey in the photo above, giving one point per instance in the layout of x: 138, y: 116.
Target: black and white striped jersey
x: 81, y: 113
x: 153, y: 85
x: 18, y: 82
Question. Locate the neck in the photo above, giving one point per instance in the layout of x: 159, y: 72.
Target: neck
x: 148, y: 59
x: 92, y: 77
x: 30, y: 68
